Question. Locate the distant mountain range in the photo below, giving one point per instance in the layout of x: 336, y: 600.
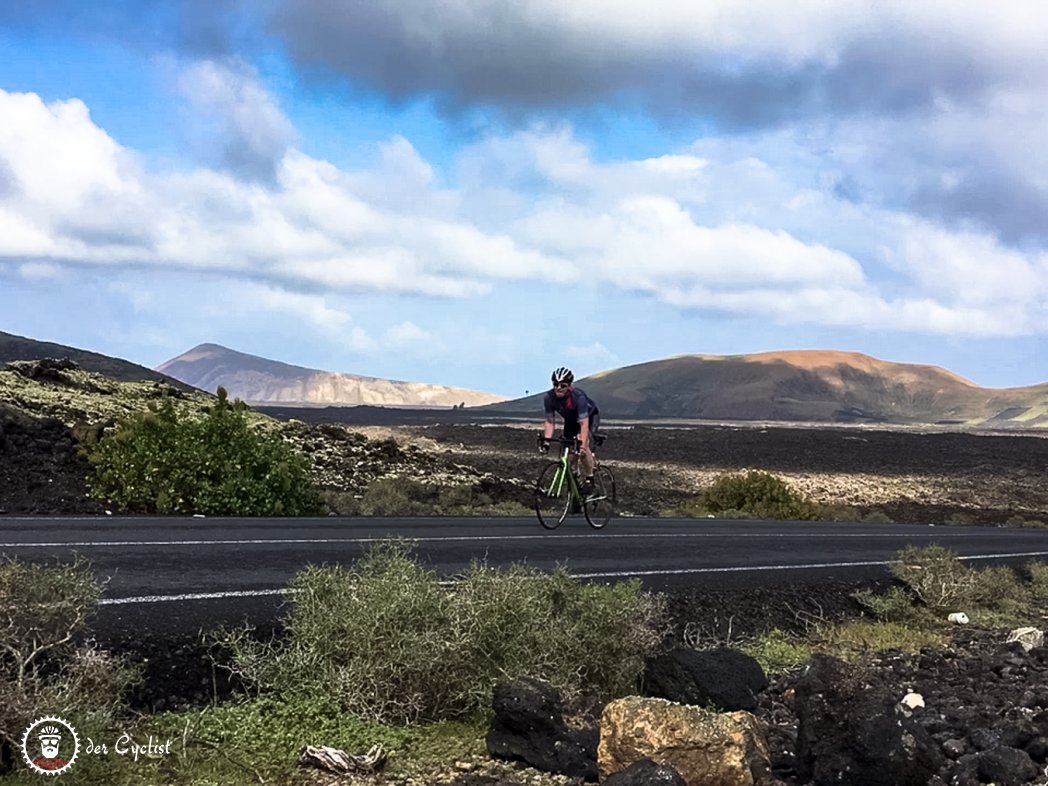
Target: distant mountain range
x: 257, y: 380
x: 803, y: 385
x: 798, y: 386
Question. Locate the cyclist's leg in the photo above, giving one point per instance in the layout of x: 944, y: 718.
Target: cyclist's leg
x: 588, y: 460
x: 571, y: 430
x: 590, y: 463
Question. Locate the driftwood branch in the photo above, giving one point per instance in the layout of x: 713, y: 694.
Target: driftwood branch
x: 342, y: 763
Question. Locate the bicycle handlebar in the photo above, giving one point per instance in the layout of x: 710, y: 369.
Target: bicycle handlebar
x: 598, y: 439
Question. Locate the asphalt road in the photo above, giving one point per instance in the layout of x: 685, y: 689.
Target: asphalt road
x: 181, y: 575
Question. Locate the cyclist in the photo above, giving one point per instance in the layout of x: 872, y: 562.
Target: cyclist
x: 581, y: 419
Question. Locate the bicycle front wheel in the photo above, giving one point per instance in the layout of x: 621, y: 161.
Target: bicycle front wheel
x: 601, y: 503
x: 553, y: 495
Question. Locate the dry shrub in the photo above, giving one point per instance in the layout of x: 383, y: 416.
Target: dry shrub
x: 45, y: 663
x: 934, y: 574
x: 395, y: 644
x: 998, y: 588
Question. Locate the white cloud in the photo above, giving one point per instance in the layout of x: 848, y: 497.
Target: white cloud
x: 408, y: 335
x: 40, y: 271
x: 311, y: 309
x: 718, y: 228
x: 590, y: 358
x: 142, y: 300
x: 358, y: 340
x: 99, y: 207
x: 236, y: 123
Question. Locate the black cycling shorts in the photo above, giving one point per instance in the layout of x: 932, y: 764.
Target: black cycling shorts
x: 572, y: 428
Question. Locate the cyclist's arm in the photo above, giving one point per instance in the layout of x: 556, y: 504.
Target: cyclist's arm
x: 547, y: 405
x: 582, y: 406
x: 548, y: 429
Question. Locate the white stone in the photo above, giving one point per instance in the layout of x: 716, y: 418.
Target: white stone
x: 1028, y: 637
x: 913, y: 700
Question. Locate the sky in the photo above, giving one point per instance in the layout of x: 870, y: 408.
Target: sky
x: 472, y: 193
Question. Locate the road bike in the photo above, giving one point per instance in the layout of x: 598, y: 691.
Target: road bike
x: 558, y: 491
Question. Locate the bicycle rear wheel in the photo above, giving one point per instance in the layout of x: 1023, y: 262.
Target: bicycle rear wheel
x: 553, y: 496
x: 600, y: 505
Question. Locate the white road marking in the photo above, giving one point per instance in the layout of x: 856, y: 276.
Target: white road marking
x: 745, y: 568
x: 606, y: 575
x: 193, y: 596
x: 464, y: 538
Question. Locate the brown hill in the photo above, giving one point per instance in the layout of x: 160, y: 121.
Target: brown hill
x: 804, y: 386
x: 258, y: 380
x: 14, y: 348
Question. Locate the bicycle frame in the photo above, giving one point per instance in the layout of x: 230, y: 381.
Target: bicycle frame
x: 566, y: 470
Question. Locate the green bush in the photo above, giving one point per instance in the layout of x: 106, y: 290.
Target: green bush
x: 46, y: 663
x: 161, y: 462
x: 396, y: 645
x: 760, y: 495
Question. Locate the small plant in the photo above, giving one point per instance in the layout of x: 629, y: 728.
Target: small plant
x: 841, y: 513
x: 1024, y: 523
x: 1038, y: 582
x: 896, y: 605
x: 713, y: 634
x: 396, y: 496
x: 862, y: 636
x: 758, y: 494
x: 778, y: 652
x: 506, y: 507
x: 341, y: 503
x: 998, y: 590
x: 934, y: 574
x: 877, y: 517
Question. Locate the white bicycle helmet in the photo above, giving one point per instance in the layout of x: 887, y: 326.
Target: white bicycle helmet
x: 562, y: 374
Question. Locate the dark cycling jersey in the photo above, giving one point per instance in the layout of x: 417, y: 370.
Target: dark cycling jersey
x: 573, y: 407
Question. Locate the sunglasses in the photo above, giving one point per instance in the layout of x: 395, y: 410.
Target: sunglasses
x: 559, y: 385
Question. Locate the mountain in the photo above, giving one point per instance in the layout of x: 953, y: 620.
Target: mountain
x: 14, y: 347
x: 257, y: 380
x: 803, y: 385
